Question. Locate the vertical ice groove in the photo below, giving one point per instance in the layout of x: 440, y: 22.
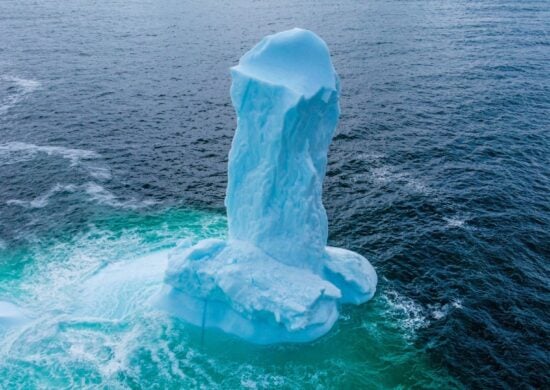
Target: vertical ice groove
x: 275, y: 279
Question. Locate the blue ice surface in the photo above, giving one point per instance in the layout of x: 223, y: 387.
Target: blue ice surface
x: 11, y: 314
x: 274, y: 279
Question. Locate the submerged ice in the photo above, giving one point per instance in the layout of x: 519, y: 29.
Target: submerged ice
x: 274, y: 279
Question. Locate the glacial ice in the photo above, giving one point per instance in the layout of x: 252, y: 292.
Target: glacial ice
x: 10, y: 314
x: 274, y: 279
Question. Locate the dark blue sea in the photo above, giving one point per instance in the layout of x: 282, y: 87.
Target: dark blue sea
x: 115, y: 124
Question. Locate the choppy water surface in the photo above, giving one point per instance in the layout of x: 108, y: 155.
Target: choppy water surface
x: 115, y: 123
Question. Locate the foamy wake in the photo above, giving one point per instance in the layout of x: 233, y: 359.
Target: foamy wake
x: 94, y: 191
x: 87, y: 299
x: 413, y: 316
x: 387, y: 175
x: 21, y: 151
x: 42, y: 200
x: 21, y: 87
x: 17, y: 152
x: 102, y: 196
x: 454, y: 222
x: 458, y: 222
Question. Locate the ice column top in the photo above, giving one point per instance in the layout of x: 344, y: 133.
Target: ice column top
x: 296, y: 59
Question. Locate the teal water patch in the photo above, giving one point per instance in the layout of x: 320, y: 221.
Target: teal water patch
x: 90, y: 321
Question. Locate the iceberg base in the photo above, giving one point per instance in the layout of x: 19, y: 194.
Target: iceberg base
x: 236, y: 287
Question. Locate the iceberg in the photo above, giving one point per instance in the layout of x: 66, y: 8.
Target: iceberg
x: 274, y: 279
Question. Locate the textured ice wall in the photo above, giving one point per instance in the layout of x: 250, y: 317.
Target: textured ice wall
x: 274, y: 280
x: 285, y: 92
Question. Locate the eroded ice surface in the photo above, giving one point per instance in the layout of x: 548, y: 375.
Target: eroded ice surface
x: 274, y: 279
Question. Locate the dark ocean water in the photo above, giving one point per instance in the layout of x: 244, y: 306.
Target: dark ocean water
x: 115, y: 124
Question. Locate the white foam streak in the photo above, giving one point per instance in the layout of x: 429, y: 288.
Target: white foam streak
x: 102, y: 196
x: 455, y: 222
x: 14, y: 152
x: 17, y: 152
x: 439, y: 311
x: 23, y: 88
x: 43, y: 200
x: 413, y: 316
x: 27, y: 85
x: 95, y: 192
x: 410, y: 313
x: 387, y: 175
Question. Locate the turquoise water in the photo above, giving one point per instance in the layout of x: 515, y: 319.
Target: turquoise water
x: 91, y: 323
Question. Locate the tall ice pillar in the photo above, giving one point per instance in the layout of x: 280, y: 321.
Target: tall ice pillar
x: 274, y: 280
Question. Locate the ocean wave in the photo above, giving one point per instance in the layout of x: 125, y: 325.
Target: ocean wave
x: 102, y: 196
x: 454, y: 222
x: 22, y: 87
x: 370, y: 156
x: 253, y: 380
x: 458, y: 222
x: 95, y: 192
x: 14, y: 152
x: 387, y: 175
x: 17, y: 152
x: 412, y: 316
x: 99, y: 172
x: 438, y: 311
x: 43, y: 200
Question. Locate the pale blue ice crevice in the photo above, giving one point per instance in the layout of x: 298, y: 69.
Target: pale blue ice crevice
x: 274, y: 279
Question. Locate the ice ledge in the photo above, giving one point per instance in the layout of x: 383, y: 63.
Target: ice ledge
x: 234, y: 286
